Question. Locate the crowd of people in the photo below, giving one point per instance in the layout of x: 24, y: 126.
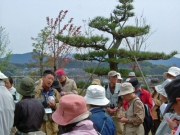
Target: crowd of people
x: 52, y: 106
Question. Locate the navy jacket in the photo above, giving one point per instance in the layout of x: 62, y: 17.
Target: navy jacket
x: 98, y: 117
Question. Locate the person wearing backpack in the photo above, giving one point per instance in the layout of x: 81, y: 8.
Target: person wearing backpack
x: 49, y: 97
x: 96, y: 102
x: 146, y: 99
x: 134, y: 115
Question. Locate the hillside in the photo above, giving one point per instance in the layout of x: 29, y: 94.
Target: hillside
x: 26, y: 57
x: 21, y: 58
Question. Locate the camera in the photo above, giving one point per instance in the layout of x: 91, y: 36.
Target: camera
x: 112, y: 106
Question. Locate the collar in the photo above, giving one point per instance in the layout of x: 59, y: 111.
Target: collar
x: 97, y: 109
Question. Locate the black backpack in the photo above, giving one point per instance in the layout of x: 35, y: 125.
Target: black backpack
x: 148, y: 121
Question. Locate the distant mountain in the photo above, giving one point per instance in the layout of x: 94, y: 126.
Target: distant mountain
x: 21, y: 58
x: 26, y: 57
x: 174, y: 61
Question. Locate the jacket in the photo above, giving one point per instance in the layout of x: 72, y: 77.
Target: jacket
x: 113, y: 98
x: 164, y: 127
x: 29, y: 114
x: 157, y: 104
x: 100, y: 118
x: 84, y: 127
x: 6, y: 110
x: 48, y: 126
x: 135, y: 115
x: 145, y: 97
x: 69, y: 87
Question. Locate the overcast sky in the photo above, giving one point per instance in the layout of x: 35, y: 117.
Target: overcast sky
x: 24, y: 19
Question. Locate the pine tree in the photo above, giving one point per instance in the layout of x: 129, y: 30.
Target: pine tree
x: 116, y: 26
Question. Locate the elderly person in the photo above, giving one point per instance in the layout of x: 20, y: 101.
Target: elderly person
x: 163, y: 127
x: 96, y: 101
x: 68, y: 86
x: 172, y: 73
x: 134, y: 115
x: 72, y: 115
x: 113, y: 108
x: 12, y: 90
x: 6, y: 107
x: 29, y: 111
x: 156, y: 104
x: 49, y: 97
x: 119, y: 78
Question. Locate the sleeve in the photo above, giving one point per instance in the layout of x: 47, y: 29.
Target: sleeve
x: 149, y: 101
x: 17, y: 114
x: 139, y: 113
x: 38, y: 90
x: 74, y: 88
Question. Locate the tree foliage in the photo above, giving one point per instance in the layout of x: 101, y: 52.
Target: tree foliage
x: 4, y: 52
x: 39, y: 54
x: 116, y: 25
x: 59, y: 51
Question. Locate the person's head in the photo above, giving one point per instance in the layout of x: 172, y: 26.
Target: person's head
x: 96, y: 82
x: 60, y: 75
x: 153, y: 82
x: 112, y: 76
x: 135, y: 83
x: 72, y: 109
x: 26, y: 87
x: 173, y: 93
x: 9, y: 82
x: 131, y: 75
x: 160, y: 89
x: 56, y: 85
x: 172, y: 73
x: 48, y: 78
x: 119, y: 79
x: 95, y: 96
x: 126, y: 91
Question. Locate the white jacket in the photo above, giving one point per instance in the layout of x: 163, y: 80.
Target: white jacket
x: 6, y: 110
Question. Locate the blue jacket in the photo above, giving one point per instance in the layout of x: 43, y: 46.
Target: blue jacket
x: 98, y: 117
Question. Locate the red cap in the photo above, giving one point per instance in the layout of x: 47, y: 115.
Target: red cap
x: 59, y: 73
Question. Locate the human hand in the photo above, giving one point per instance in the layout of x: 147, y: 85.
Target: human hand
x: 173, y: 132
x: 63, y: 93
x: 115, y: 109
x: 40, y: 82
x: 110, y: 110
x: 123, y: 119
x: 173, y: 123
x: 51, y: 104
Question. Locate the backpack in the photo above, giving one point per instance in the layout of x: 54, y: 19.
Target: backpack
x: 148, y: 121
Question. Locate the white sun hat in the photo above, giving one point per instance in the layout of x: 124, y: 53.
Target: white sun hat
x: 119, y: 76
x: 131, y: 74
x: 2, y: 76
x: 95, y: 95
x: 174, y: 71
x: 160, y: 88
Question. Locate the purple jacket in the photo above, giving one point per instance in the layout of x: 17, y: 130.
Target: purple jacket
x: 84, y: 127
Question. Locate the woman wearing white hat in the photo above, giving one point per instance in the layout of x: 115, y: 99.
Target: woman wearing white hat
x: 134, y: 115
x: 96, y: 101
